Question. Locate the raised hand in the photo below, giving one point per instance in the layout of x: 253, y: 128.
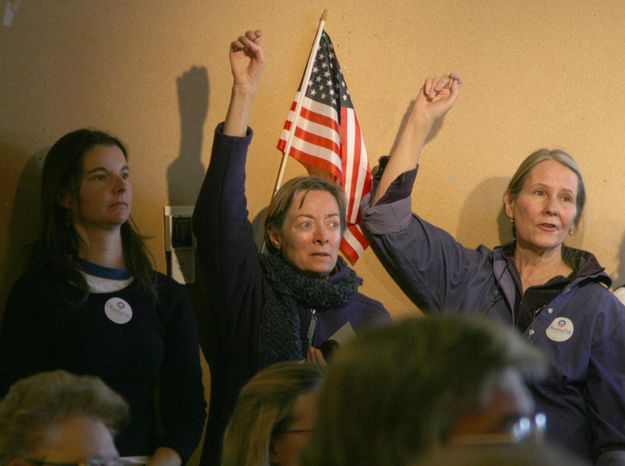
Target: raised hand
x: 437, y: 96
x: 247, y: 60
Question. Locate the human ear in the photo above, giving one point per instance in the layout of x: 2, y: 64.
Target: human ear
x: 66, y: 200
x: 275, y: 456
x: 508, y: 205
x: 275, y: 238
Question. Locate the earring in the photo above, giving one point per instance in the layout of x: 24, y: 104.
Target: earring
x: 571, y: 231
x: 511, y: 219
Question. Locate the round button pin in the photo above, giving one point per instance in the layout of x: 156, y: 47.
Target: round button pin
x: 561, y: 329
x: 118, y: 311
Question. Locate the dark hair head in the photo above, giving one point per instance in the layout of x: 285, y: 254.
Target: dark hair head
x: 61, y: 177
x: 281, y: 203
x: 59, y: 242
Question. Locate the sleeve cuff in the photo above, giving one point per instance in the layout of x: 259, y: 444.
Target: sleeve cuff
x: 393, y: 211
x: 219, y: 134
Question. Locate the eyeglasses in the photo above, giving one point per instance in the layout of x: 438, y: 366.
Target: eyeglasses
x: 526, y: 429
x: 294, y: 431
x: 91, y: 462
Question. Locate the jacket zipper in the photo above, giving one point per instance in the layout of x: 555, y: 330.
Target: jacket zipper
x: 312, y: 326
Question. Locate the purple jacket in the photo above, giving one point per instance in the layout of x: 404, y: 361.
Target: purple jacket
x: 237, y: 285
x: 582, y: 330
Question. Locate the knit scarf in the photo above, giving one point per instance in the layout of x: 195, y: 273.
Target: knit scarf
x: 291, y: 290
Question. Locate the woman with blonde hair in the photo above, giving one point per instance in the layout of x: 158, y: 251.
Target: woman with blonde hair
x: 273, y: 417
x: 556, y: 296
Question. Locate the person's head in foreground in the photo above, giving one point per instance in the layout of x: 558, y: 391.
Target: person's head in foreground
x: 395, y: 392
x: 58, y: 417
x: 274, y: 415
x: 501, y: 455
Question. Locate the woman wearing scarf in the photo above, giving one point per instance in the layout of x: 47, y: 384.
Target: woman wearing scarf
x: 268, y: 307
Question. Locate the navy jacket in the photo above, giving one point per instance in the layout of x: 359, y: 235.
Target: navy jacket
x: 582, y: 330
x: 237, y: 285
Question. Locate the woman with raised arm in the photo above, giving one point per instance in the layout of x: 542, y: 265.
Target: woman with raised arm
x: 556, y: 296
x: 278, y: 306
x: 92, y: 304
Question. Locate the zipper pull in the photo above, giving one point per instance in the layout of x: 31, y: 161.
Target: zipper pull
x: 311, y: 327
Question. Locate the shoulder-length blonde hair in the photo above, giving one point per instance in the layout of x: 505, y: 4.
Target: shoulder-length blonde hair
x: 264, y: 408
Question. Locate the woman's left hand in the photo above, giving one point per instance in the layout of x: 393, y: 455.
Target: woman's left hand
x: 315, y: 356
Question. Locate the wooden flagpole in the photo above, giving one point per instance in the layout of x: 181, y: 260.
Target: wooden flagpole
x: 300, y: 99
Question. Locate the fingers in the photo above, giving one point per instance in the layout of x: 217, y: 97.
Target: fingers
x: 315, y: 356
x: 442, y: 86
x: 251, y: 40
x: 255, y: 36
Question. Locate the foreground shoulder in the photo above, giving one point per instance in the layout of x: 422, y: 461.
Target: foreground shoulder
x: 168, y: 288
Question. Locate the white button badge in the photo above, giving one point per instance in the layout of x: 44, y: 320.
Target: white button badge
x: 118, y: 311
x: 561, y: 329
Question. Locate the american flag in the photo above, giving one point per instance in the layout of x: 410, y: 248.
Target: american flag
x: 327, y: 136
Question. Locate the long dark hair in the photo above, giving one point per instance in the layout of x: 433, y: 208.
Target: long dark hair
x: 59, y: 242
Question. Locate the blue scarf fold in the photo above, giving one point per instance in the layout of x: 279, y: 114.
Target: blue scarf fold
x: 290, y: 291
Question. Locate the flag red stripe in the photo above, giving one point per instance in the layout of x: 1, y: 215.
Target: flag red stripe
x: 317, y: 140
x: 315, y: 161
x: 319, y: 119
x: 327, y: 135
x: 349, y: 252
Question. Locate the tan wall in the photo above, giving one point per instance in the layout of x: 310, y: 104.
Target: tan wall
x: 537, y: 73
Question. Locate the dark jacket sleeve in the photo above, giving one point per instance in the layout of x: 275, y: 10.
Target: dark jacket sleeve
x: 183, y: 409
x: 605, y: 382
x: 27, y: 333
x: 428, y: 264
x: 225, y: 239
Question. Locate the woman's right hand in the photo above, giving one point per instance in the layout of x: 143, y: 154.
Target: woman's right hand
x: 434, y: 100
x: 247, y: 61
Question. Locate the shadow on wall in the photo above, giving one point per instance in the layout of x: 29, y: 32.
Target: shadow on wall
x: 484, y: 207
x: 619, y: 279
x: 185, y: 174
x: 184, y: 178
x: 436, y: 127
x: 24, y: 224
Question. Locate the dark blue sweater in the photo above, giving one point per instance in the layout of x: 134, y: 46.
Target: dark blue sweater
x: 158, y: 347
x: 237, y: 285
